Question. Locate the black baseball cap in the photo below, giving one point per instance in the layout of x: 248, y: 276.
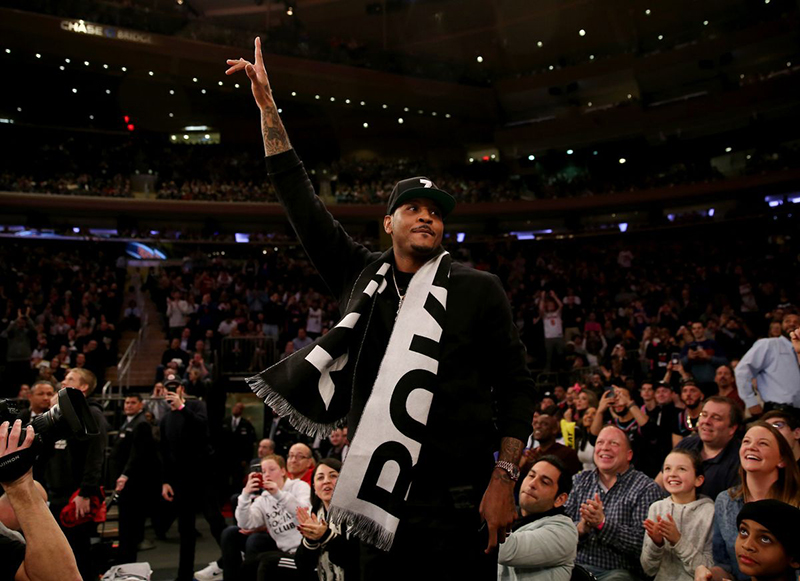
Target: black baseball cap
x: 420, y: 187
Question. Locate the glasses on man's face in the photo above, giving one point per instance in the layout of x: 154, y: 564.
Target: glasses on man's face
x: 779, y: 425
x: 297, y: 457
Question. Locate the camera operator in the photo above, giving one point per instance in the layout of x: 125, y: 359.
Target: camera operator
x: 43, y: 554
x: 77, y: 465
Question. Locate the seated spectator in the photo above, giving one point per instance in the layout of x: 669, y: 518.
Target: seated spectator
x: 302, y: 339
x: 546, y: 429
x: 339, y: 446
x: 773, y: 364
x: 717, y: 444
x: 325, y: 547
x: 662, y: 416
x: 767, y: 545
x: 692, y: 398
x: 618, y: 408
x: 43, y: 554
x: 609, y: 505
x: 543, y: 543
x: 726, y: 385
x: 175, y: 353
x: 584, y: 440
x: 679, y: 527
x: 300, y: 463
x: 701, y: 357
x: 266, y: 447
x: 268, y: 504
x: 768, y: 470
x: 788, y: 425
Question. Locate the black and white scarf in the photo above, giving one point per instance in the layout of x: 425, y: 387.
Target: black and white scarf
x: 313, y: 388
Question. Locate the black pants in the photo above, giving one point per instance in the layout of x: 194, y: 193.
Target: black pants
x: 234, y: 543
x: 189, y: 495
x: 133, y: 508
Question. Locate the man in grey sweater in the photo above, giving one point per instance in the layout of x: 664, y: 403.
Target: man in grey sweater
x: 544, y: 542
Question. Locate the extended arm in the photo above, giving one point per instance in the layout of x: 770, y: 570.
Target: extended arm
x: 551, y: 545
x: 749, y: 367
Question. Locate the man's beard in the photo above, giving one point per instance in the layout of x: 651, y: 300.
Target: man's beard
x: 424, y: 250
x: 694, y: 405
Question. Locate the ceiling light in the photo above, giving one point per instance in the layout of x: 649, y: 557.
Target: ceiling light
x: 333, y: 99
x: 347, y: 101
x: 405, y: 109
x: 589, y: 104
x: 280, y: 110
x: 19, y: 109
x: 203, y: 91
x: 194, y: 79
x: 591, y: 57
x: 479, y: 59
x: 420, y: 111
x: 206, y: 136
x: 61, y: 67
x: 362, y: 103
x: 749, y: 156
x: 86, y: 63
x: 151, y: 73
x: 294, y: 94
x: 108, y: 91
x: 766, y: 1
x: 540, y: 44
x: 171, y: 115
x: 105, y: 66
x: 582, y: 32
x: 91, y: 117
x: 174, y: 137
x: 400, y: 120
x: 647, y: 12
x: 316, y: 97
x: 220, y: 83
x: 186, y: 137
x: 447, y: 115
x: 172, y: 91
x: 74, y: 90
x: 8, y: 51
x: 433, y: 113
x: 728, y: 149
x: 384, y: 106
x: 124, y: 69
x: 705, y: 22
x: 570, y: 152
x: 366, y: 125
x: 38, y: 56
x: 531, y: 157
x: 741, y: 76
x: 236, y: 86
x: 630, y: 96
x: 471, y: 159
x: 594, y: 152
x: 660, y: 37
x: 289, y: 11
x: 789, y: 64
x: 493, y: 156
x: 622, y: 160
x: 65, y: 60
x: 551, y: 67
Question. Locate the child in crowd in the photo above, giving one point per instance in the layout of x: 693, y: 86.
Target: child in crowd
x: 678, y: 539
x: 767, y: 543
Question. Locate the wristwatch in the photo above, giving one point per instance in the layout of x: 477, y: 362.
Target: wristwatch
x: 510, y: 468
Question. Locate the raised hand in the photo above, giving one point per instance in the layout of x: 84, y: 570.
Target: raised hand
x: 653, y: 532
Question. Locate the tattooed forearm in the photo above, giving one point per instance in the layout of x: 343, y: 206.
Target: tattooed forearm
x: 275, y: 138
x: 511, y: 450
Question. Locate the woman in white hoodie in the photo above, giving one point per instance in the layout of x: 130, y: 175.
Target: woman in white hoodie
x: 678, y: 538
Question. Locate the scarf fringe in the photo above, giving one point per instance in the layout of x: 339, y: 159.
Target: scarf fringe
x: 361, y: 526
x: 284, y: 409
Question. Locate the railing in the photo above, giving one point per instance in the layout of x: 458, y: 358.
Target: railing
x: 125, y: 362
x: 246, y: 355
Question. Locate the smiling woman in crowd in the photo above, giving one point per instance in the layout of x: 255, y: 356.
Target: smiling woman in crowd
x: 768, y: 471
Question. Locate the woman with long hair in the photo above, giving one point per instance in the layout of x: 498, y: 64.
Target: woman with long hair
x: 325, y: 547
x: 767, y: 470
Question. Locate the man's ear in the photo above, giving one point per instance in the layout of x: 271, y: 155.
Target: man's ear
x: 560, y: 500
x: 387, y: 224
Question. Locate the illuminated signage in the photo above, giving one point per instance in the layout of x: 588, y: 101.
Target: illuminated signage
x: 82, y: 27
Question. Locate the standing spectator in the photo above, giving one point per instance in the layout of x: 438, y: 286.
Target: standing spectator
x: 617, y: 408
x: 314, y: 320
x: 572, y: 314
x: 185, y: 446
x: 678, y: 528
x: 701, y: 357
x: 768, y: 470
x: 77, y: 465
x: 609, y: 505
x: 543, y: 543
x: 692, y: 398
x: 302, y: 339
x: 134, y: 461
x: 550, y: 312
x: 158, y: 406
x: 132, y: 317
x: 773, y: 364
x: 178, y: 312
x: 20, y: 335
x: 238, y: 437
x: 546, y: 429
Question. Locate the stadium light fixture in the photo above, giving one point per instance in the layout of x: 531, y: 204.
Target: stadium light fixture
x: 582, y: 32
x: 400, y: 120
x: 531, y: 157
x: 622, y: 160
x: 365, y: 125
x: 479, y: 59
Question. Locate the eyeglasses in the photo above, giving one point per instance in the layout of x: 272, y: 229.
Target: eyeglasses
x: 779, y: 425
x: 298, y: 457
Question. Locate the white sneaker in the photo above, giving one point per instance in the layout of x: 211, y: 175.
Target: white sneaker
x: 210, y: 573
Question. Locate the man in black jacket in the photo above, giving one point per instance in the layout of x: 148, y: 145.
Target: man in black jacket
x: 239, y: 437
x: 185, y: 447
x: 40, y: 399
x: 134, y: 462
x: 480, y: 365
x: 78, y: 466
